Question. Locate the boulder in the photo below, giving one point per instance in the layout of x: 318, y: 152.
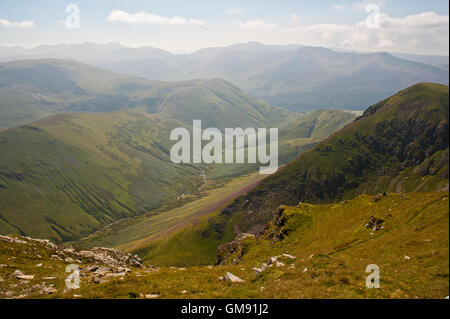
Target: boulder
x: 230, y: 277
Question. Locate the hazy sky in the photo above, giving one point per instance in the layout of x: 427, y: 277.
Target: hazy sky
x: 412, y: 26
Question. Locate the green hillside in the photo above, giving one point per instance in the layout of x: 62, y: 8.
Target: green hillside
x: 34, y: 89
x: 330, y: 247
x: 67, y: 175
x: 104, y: 167
x: 398, y: 145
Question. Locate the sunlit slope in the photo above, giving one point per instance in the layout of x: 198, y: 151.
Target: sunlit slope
x: 330, y: 243
x: 398, y: 145
x: 67, y: 175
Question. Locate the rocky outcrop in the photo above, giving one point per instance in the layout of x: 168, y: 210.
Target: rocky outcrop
x: 95, y: 265
x: 104, y: 256
x: 234, y: 250
x: 374, y: 223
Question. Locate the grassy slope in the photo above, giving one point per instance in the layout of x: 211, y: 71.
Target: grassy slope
x: 34, y: 89
x: 329, y: 240
x: 364, y: 157
x: 182, y: 245
x: 399, y: 145
x: 67, y: 175
x: 158, y: 231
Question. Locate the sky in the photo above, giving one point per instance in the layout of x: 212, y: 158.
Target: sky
x: 180, y: 26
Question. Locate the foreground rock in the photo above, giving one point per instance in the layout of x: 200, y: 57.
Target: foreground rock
x: 234, y: 250
x: 97, y: 265
x: 230, y: 277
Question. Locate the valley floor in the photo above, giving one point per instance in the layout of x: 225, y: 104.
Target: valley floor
x: 321, y: 251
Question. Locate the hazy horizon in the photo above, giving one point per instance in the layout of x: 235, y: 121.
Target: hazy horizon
x: 413, y: 27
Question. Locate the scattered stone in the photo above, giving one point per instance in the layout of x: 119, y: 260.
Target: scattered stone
x: 39, y: 265
x: 184, y: 292
x: 279, y: 264
x: 151, y: 296
x: 305, y: 270
x: 407, y: 258
x: 9, y: 294
x: 291, y: 266
x: 261, y: 289
x: 258, y: 270
x: 230, y: 277
x: 289, y: 256
x: 50, y: 278
x: 77, y: 296
x: 92, y: 268
x: 48, y: 291
x: 20, y: 275
x: 12, y: 240
x: 374, y: 223
x: 310, y: 257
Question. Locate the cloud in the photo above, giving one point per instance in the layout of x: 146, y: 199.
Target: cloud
x: 10, y: 24
x: 295, y: 17
x: 259, y: 24
x: 337, y: 7
x: 362, y: 5
x: 423, y: 33
x: 236, y: 11
x: 143, y: 17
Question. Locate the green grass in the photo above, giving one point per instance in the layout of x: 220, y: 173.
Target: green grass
x: 172, y: 235
x: 398, y: 145
x: 66, y: 176
x: 329, y: 240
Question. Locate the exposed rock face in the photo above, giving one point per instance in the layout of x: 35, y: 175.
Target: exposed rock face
x: 374, y: 223
x: 109, y: 256
x: 96, y: 265
x: 106, y: 256
x: 232, y: 249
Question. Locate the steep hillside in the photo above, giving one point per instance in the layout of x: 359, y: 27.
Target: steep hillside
x: 308, y: 251
x: 69, y: 174
x: 33, y: 89
x: 398, y: 145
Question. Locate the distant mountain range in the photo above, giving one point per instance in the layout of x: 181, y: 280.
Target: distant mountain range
x: 295, y: 77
